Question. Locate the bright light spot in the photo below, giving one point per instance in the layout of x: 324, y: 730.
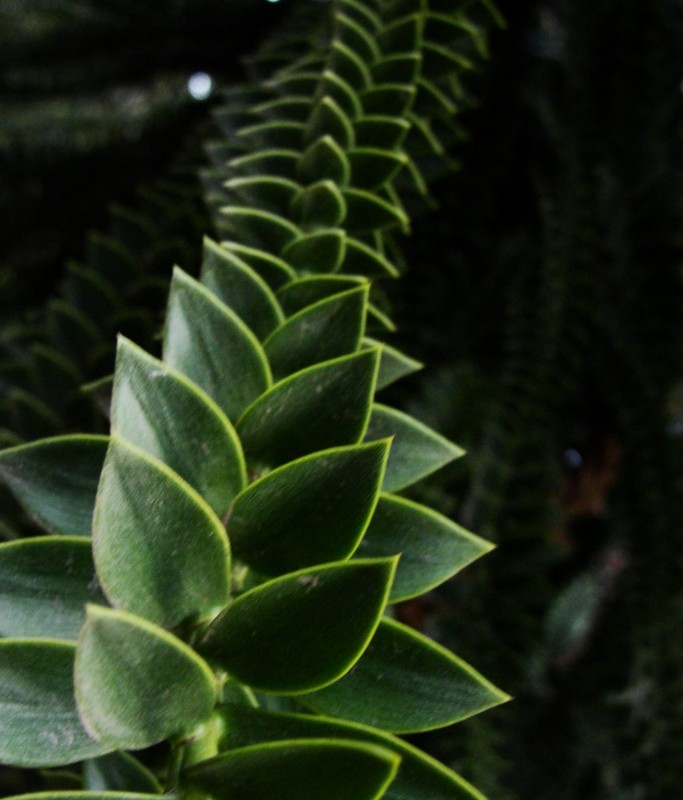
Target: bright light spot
x: 273, y: 1
x: 200, y: 85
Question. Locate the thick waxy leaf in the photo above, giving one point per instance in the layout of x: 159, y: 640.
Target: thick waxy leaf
x: 417, y: 450
x: 320, y: 205
x: 372, y: 167
x: 306, y: 769
x: 305, y: 291
x: 329, y: 119
x: 342, y: 92
x: 397, y: 68
x: 39, y: 722
x: 388, y: 98
x: 309, y: 511
x: 381, y: 130
x: 322, y: 251
x: 274, y: 271
x: 286, y: 133
x: 393, y: 364
x: 303, y: 630
x: 119, y: 772
x: 159, y: 549
x: 370, y: 212
x: 347, y: 65
x: 268, y: 192
x: 322, y: 406
x: 419, y: 777
x: 167, y: 416
x: 56, y: 480
x: 406, y: 683
x: 44, y: 585
x: 432, y: 547
x: 280, y: 162
x: 363, y: 260
x: 237, y: 285
x: 257, y: 228
x: 356, y: 36
x: 324, y: 160
x: 210, y: 344
x: 137, y: 685
x: 329, y: 328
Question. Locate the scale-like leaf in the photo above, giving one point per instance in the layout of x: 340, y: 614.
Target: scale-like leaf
x: 309, y: 511
x: 320, y: 205
x: 39, y: 722
x: 302, y: 292
x: 136, y: 684
x: 274, y: 271
x: 45, y: 583
x: 406, y: 683
x: 237, y: 285
x: 370, y: 212
x: 432, y: 547
x: 160, y: 411
x: 303, y: 630
x: 324, y: 160
x: 327, y: 329
x: 320, y: 251
x: 257, y: 228
x: 56, y: 480
x: 159, y: 549
x: 417, y: 450
x: 210, y: 344
x: 119, y: 772
x: 323, y: 406
x: 420, y: 777
x: 305, y: 769
x: 328, y: 119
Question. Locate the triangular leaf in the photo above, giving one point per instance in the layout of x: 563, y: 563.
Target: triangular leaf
x: 309, y: 511
x: 324, y: 160
x: 276, y: 637
x: 320, y: 205
x: 159, y: 549
x: 210, y: 344
x: 56, y: 480
x: 119, y: 772
x: 321, y: 251
x: 45, y: 583
x: 274, y: 271
x: 393, y: 364
x: 305, y: 291
x: 168, y: 691
x: 406, y: 683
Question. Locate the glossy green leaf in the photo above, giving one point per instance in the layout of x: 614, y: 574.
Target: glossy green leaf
x: 56, y: 480
x: 323, y: 406
x: 256, y: 228
x: 39, y: 722
x: 163, y: 413
x: 432, y: 547
x: 119, y: 772
x: 360, y: 259
x: 372, y: 167
x: 274, y: 271
x: 321, y: 251
x: 393, y: 364
x: 309, y: 511
x: 302, y: 292
x: 159, y: 549
x: 268, y: 192
x: 328, y: 119
x: 417, y: 450
x: 136, y: 684
x: 329, y: 328
x: 277, y: 637
x: 306, y: 769
x: 237, y: 285
x: 210, y: 344
x: 320, y: 205
x: 405, y: 683
x: 370, y: 212
x: 381, y: 130
x: 419, y: 777
x: 324, y: 160
x: 45, y: 583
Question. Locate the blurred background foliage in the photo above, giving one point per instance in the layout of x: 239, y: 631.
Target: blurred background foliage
x: 544, y: 294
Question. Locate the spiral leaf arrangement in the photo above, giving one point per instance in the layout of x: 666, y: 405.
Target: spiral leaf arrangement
x: 248, y: 535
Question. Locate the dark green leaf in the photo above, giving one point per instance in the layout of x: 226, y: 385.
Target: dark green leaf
x: 370, y: 212
x: 299, y: 770
x: 256, y: 228
x: 417, y: 450
x: 303, y: 292
x: 309, y: 511
x: 397, y: 68
x: 328, y: 119
x: 329, y: 328
x: 363, y: 260
x: 210, y: 344
x: 136, y: 684
x: 303, y: 630
x: 393, y: 364
x: 406, y: 683
x: 101, y: 795
x: 280, y: 162
x: 381, y: 130
x: 388, y: 98
x: 432, y: 547
x: 269, y: 192
x: 45, y: 583
x: 322, y: 251
x: 322, y: 406
x: 39, y: 722
x: 237, y: 285
x: 119, y: 772
x: 56, y: 480
x: 342, y: 92
x: 169, y: 417
x: 347, y: 65
x: 159, y: 549
x: 320, y: 205
x: 324, y: 160
x: 419, y: 777
x: 372, y: 167
x: 274, y: 271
